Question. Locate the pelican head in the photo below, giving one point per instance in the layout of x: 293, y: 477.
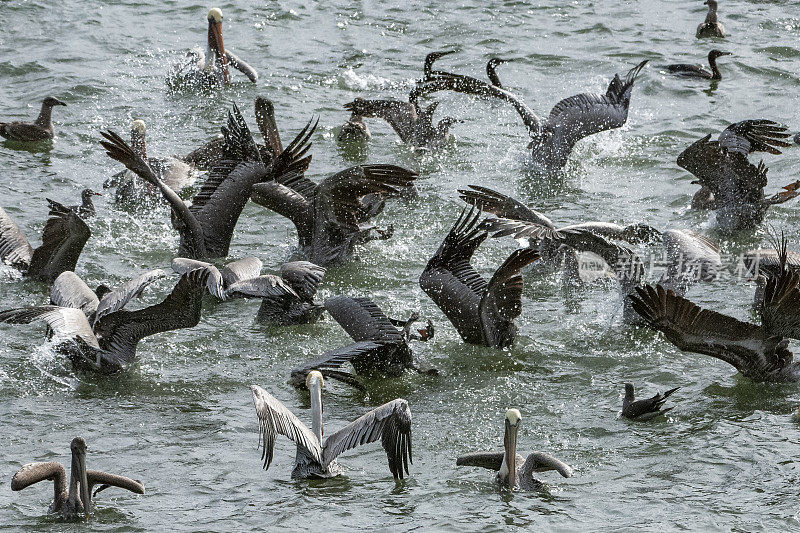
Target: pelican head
x: 138, y: 132
x: 102, y: 290
x: 215, y: 43
x: 314, y: 376
x: 78, y: 448
x: 215, y: 14
x: 513, y: 418
x: 360, y: 107
x: 139, y: 127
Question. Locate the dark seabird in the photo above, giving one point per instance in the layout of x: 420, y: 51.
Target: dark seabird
x: 491, y: 71
x: 285, y: 300
x: 206, y: 227
x: 210, y: 68
x: 731, y: 185
x: 696, y: 71
x: 711, y: 27
x: 427, y: 70
x: 75, y: 499
x: 482, y: 312
x: 86, y: 209
x: 513, y: 470
x: 642, y: 410
x: 109, y: 345
x: 64, y: 236
x: 381, y: 344
x: 40, y: 129
x: 391, y: 423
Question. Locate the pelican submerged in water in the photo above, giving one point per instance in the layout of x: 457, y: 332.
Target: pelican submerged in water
x: 75, y: 499
x: 513, y: 470
x: 210, y: 68
x: 391, y: 423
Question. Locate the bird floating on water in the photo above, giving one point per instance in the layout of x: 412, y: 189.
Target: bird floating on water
x: 513, y: 470
x: 74, y: 499
x: 391, y: 423
x: 86, y: 209
x: 696, y: 71
x: 642, y: 410
x: 711, y: 27
x: 40, y: 129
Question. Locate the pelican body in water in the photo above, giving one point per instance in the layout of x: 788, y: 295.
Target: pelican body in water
x: 711, y: 27
x: 74, y: 499
x: 642, y: 410
x: 696, y: 71
x: 40, y: 129
x: 513, y: 470
x: 391, y: 423
x: 210, y: 68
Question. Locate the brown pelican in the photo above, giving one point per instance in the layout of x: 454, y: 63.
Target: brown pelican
x: 40, y: 129
x: 176, y: 174
x: 482, y: 312
x: 642, y: 410
x: 412, y: 124
x: 77, y: 498
x: 206, y: 227
x: 285, y: 300
x: 64, y: 236
x: 391, y: 423
x: 711, y: 27
x: 697, y: 71
x: 331, y: 216
x: 210, y: 68
x: 379, y: 347
x: 109, y: 345
x: 731, y: 185
x: 759, y: 353
x: 513, y: 470
x: 86, y: 209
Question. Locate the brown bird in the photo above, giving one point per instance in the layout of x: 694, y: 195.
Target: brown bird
x: 40, y: 129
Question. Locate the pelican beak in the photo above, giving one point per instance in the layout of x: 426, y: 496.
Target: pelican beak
x: 215, y: 43
x: 545, y: 462
x: 510, y: 445
x: 85, y: 497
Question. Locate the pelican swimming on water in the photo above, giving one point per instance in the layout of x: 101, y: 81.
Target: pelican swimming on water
x: 642, y: 410
x: 76, y: 498
x: 391, y: 423
x: 63, y: 238
x: 40, y: 129
x: 711, y: 27
x: 210, y: 68
x: 696, y: 71
x: 513, y: 470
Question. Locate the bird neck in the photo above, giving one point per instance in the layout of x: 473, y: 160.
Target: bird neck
x: 45, y: 119
x: 316, y: 411
x: 711, y: 16
x: 716, y: 74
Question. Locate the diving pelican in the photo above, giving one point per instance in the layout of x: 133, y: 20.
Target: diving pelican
x: 730, y: 184
x: 642, y: 410
x: 513, y: 470
x: 391, y: 423
x: 63, y: 238
x: 285, y: 300
x: 76, y: 499
x: 40, y: 129
x: 379, y: 347
x: 210, y: 68
x: 711, y: 27
x: 482, y: 312
x: 109, y: 343
x: 696, y: 71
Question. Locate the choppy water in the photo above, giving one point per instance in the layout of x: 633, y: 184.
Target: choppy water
x: 182, y: 420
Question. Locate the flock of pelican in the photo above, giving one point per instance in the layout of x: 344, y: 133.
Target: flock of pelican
x: 335, y: 215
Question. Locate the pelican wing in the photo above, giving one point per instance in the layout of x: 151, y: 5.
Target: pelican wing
x: 489, y: 460
x: 35, y: 472
x: 692, y: 329
x: 691, y: 257
x: 215, y: 285
x: 750, y: 136
x: 391, y: 422
x: 362, y: 319
x: 105, y: 480
x: 122, y: 330
x: 119, y: 297
x: 241, y: 270
x: 69, y: 290
x: 520, y: 229
x: 287, y: 202
x: 503, y: 206
x: 265, y: 118
x: 780, y: 312
x: 241, y: 66
x: 265, y: 286
x: 66, y: 322
x: 304, y: 277
x: 503, y: 297
x: 331, y: 361
x: 14, y: 247
x: 64, y: 236
x: 766, y: 260
x: 401, y: 116
x: 273, y: 419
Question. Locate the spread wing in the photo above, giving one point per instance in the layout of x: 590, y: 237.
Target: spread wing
x: 265, y: 118
x: 691, y: 257
x: 119, y: 297
x: 489, y: 460
x: 215, y: 286
x: 241, y: 66
x: 750, y: 136
x: 105, y: 480
x: 362, y: 319
x: 66, y: 322
x: 266, y: 286
x: 304, y: 277
x: 35, y: 472
x: 279, y: 196
x: 15, y: 249
x: 502, y: 300
x: 243, y: 269
x: 69, y: 290
x: 331, y: 361
x: 275, y: 419
x: 780, y: 312
x: 503, y: 206
x: 64, y: 236
x: 391, y: 422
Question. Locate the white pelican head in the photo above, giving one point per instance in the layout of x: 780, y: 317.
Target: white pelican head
x: 314, y: 375
x: 513, y: 416
x: 139, y: 127
x: 215, y: 14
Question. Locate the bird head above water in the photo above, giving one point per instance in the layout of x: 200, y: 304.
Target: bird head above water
x: 314, y: 377
x: 51, y: 101
x: 714, y: 54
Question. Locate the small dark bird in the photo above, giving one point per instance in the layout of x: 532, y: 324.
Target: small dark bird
x: 642, y: 410
x: 685, y: 70
x: 40, y: 129
x: 86, y: 209
x: 711, y: 27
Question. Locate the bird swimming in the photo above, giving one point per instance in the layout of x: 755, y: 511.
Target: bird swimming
x: 109, y: 343
x: 210, y: 68
x: 696, y: 71
x: 40, y: 129
x: 513, y: 470
x: 381, y: 345
x: 643, y: 410
x: 74, y: 499
x: 86, y: 209
x: 63, y: 239
x: 711, y: 27
x: 391, y: 423
x: 285, y: 300
x: 482, y: 312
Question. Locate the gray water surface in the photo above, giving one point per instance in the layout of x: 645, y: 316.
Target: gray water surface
x: 181, y: 419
